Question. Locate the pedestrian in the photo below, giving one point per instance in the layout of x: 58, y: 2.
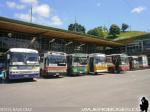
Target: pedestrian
x: 144, y: 106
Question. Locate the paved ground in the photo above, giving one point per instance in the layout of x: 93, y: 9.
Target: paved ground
x: 72, y: 94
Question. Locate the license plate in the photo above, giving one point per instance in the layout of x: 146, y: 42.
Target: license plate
x: 26, y: 76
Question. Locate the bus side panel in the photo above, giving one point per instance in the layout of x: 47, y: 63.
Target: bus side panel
x: 101, y: 68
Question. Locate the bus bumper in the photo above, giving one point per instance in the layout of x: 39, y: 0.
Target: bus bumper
x: 23, y: 76
x: 79, y: 73
x: 124, y: 68
x: 56, y: 73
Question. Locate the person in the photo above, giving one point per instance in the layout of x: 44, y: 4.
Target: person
x: 144, y: 106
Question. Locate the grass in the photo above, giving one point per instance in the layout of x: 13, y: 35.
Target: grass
x: 124, y: 35
x: 130, y: 34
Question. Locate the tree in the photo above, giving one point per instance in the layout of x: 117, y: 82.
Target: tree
x: 114, y: 30
x: 105, y: 29
x: 98, y: 31
x: 124, y: 27
x: 76, y: 28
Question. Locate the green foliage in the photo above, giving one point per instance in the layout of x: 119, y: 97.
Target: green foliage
x: 114, y: 30
x: 124, y: 27
x: 130, y: 34
x: 98, y: 31
x: 105, y: 29
x: 76, y: 28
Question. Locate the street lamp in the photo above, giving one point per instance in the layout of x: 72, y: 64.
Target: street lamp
x: 79, y: 47
x: 67, y: 45
x: 9, y: 35
x: 51, y: 41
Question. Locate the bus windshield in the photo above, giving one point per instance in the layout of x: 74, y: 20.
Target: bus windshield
x: 81, y: 60
x: 23, y: 58
x: 100, y: 60
x: 124, y: 60
x: 57, y: 59
x: 32, y: 57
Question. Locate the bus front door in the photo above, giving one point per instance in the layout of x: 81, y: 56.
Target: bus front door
x: 91, y: 64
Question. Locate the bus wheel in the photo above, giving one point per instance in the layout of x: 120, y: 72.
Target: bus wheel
x: 118, y: 71
x: 95, y: 73
x: 112, y: 71
x: 30, y: 79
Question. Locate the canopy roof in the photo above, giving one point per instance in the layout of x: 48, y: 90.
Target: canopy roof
x: 52, y: 33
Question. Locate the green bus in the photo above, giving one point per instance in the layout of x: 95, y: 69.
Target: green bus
x: 77, y: 64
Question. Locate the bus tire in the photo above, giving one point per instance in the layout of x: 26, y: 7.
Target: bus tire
x: 112, y: 71
x: 31, y: 79
x: 95, y: 73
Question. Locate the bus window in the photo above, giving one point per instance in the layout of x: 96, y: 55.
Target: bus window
x: 100, y: 60
x: 81, y: 60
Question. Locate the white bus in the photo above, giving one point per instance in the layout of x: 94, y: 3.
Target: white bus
x: 133, y: 62
x: 143, y: 61
x: 53, y: 64
x: 97, y: 63
x: 22, y: 63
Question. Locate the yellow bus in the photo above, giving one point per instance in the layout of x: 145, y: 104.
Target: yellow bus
x: 97, y: 63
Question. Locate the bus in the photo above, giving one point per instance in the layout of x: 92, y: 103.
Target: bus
x: 21, y: 63
x: 143, y: 61
x: 77, y: 64
x: 97, y: 63
x: 133, y: 62
x: 53, y: 64
x: 117, y: 63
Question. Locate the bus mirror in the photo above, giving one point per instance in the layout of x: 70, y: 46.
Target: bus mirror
x: 8, y: 56
x: 39, y: 58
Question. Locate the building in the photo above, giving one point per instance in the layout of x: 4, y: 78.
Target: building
x: 137, y: 45
x: 14, y: 33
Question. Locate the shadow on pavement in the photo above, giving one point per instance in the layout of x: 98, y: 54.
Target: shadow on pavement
x: 78, y: 75
x: 17, y: 81
x: 51, y: 77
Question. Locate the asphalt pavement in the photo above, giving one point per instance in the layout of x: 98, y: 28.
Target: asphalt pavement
x: 77, y: 94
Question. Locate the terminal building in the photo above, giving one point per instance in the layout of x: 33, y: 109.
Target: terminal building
x: 137, y: 45
x: 19, y: 34
x: 14, y: 33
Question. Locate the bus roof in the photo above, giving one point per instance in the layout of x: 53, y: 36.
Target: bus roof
x: 55, y: 53
x: 97, y: 54
x: 142, y: 55
x: 24, y: 50
x: 79, y: 54
x: 117, y: 55
x: 133, y: 56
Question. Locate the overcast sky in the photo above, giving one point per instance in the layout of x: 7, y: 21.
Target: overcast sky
x: 90, y: 13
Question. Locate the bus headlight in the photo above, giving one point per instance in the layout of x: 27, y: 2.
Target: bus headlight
x: 13, y: 68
